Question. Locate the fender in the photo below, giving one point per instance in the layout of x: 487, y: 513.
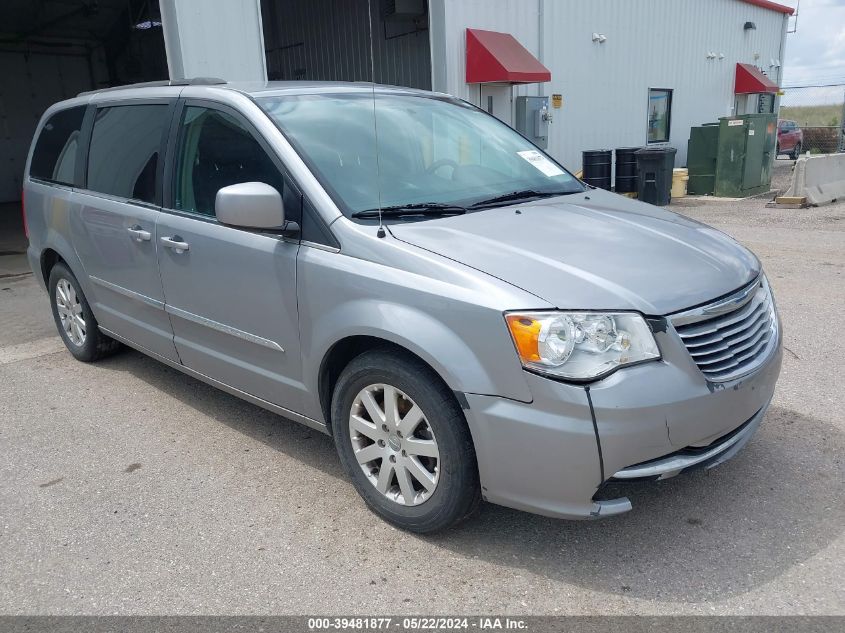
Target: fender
x: 450, y: 316
x: 418, y: 332
x: 354, y: 303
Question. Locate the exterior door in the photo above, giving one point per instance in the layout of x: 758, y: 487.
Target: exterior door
x: 114, y: 226
x: 497, y: 99
x: 231, y: 293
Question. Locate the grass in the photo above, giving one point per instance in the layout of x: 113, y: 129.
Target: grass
x: 810, y: 116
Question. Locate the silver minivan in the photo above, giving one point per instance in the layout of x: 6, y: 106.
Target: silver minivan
x: 404, y: 272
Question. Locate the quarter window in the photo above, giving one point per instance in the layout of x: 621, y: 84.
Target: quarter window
x: 215, y: 151
x: 659, y: 115
x: 54, y: 158
x: 125, y: 150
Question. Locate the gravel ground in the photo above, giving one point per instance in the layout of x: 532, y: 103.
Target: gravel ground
x: 127, y: 487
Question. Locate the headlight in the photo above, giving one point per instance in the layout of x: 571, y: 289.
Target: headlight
x: 580, y: 345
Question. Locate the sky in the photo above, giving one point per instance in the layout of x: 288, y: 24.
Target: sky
x: 815, y: 54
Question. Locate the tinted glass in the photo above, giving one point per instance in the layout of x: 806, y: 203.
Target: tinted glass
x: 125, y: 148
x: 54, y: 157
x: 216, y: 151
x: 422, y: 150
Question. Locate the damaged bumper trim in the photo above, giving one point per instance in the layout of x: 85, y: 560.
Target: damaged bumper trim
x: 719, y: 451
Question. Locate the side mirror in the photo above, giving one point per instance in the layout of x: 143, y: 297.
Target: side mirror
x: 253, y: 205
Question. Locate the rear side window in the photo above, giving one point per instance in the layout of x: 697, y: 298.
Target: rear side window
x: 125, y: 150
x: 54, y: 158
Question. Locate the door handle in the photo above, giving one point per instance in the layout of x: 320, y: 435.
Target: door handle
x: 139, y: 234
x: 176, y: 244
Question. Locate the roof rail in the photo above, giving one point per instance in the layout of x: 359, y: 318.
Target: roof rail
x: 190, y: 81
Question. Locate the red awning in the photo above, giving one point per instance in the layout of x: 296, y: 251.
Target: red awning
x: 772, y: 6
x: 499, y: 57
x: 750, y: 80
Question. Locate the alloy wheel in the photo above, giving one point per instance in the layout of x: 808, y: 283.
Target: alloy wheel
x: 70, y: 312
x: 394, y: 444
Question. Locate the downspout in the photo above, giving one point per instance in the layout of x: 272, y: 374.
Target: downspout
x: 781, y: 60
x: 437, y: 46
x: 782, y: 46
x: 541, y: 40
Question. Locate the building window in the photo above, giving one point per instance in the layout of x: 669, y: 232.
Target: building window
x: 659, y: 115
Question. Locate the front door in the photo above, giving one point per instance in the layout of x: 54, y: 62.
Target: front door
x: 497, y: 99
x: 231, y: 293
x: 114, y: 228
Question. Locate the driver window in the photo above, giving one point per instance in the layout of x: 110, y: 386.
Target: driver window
x: 216, y: 151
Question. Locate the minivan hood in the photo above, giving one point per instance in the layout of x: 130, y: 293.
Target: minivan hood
x: 593, y: 251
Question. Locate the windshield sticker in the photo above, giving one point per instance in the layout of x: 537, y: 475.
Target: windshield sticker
x: 541, y: 162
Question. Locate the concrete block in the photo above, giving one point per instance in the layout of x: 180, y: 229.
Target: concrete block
x: 820, y: 179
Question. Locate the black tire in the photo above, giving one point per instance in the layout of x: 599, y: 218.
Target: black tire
x: 796, y: 151
x: 96, y: 345
x: 777, y: 150
x: 457, y: 493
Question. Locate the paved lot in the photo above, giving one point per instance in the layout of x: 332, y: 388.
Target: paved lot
x: 127, y: 487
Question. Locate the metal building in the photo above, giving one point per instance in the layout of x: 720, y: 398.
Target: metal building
x: 614, y: 73
x: 613, y: 63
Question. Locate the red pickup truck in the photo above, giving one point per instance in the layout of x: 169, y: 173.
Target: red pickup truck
x: 790, y: 139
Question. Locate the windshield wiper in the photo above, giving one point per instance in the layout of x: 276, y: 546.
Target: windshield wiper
x: 513, y: 196
x: 404, y: 210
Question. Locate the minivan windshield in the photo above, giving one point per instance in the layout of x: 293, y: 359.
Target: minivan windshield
x: 414, y: 152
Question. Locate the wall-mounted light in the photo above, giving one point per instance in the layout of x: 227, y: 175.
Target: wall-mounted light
x: 711, y: 55
x: 750, y: 26
x: 775, y: 63
x: 721, y: 56
x: 599, y: 38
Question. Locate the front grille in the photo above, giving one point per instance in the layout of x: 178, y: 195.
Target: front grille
x: 733, y: 336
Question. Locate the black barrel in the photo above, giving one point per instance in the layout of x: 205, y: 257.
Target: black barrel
x: 597, y: 166
x: 626, y: 169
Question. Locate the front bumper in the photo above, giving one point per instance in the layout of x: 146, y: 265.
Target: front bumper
x: 654, y: 420
x: 692, y: 458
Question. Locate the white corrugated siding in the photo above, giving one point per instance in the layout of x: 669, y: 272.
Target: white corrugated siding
x: 650, y: 43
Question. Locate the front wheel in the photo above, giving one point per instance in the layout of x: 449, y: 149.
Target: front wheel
x: 404, y: 442
x: 796, y: 151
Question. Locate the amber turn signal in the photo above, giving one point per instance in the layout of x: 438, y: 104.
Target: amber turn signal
x: 526, y: 335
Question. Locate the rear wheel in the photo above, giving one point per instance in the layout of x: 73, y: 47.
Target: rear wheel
x: 404, y: 442
x: 74, y: 320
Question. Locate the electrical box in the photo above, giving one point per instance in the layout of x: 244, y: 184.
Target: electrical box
x: 746, y: 151
x: 732, y: 158
x: 533, y: 118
